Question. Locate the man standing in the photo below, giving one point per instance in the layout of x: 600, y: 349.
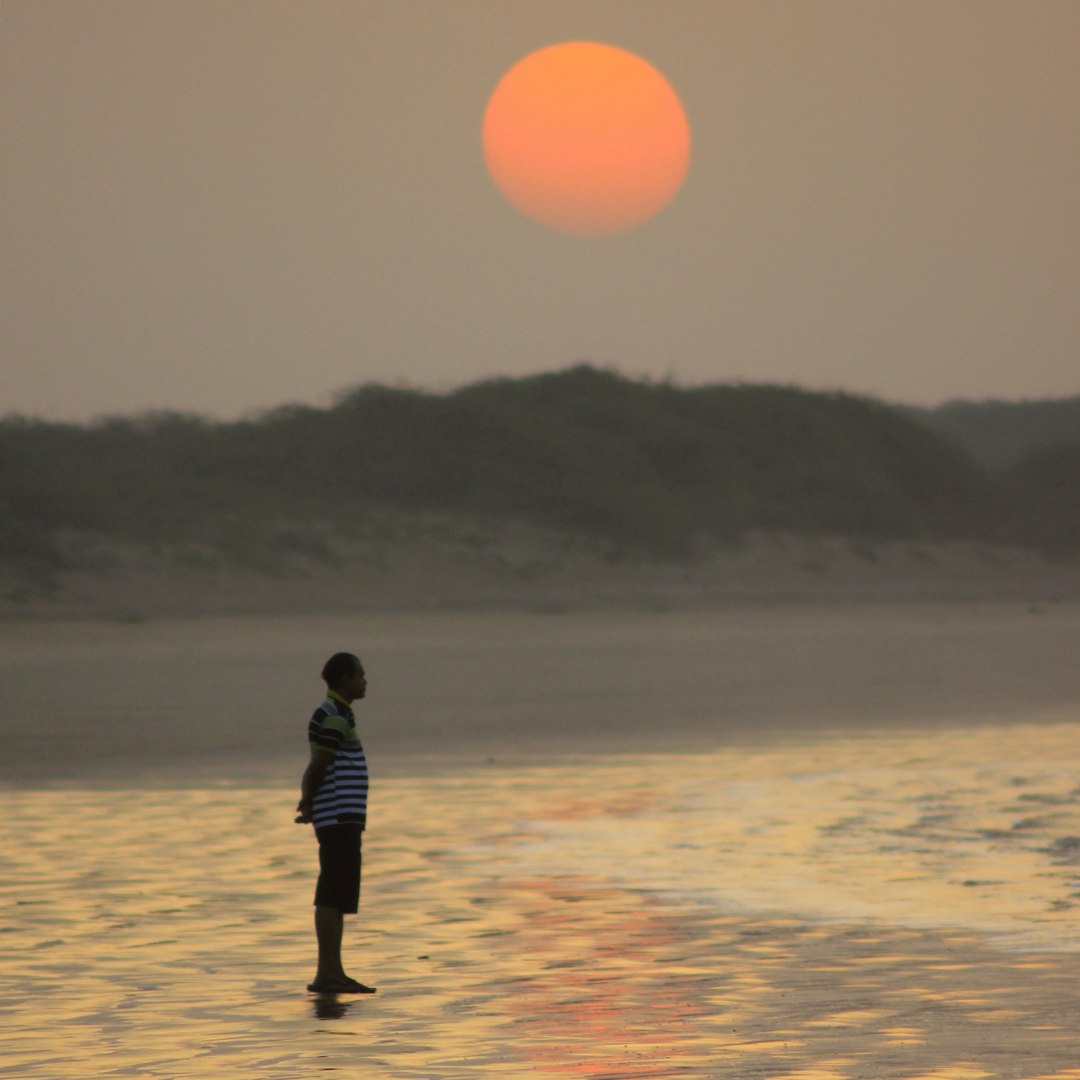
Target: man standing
x: 333, y: 797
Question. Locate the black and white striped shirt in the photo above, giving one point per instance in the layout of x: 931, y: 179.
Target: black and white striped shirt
x: 342, y: 795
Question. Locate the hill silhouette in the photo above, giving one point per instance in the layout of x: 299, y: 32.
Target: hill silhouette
x: 646, y: 467
x: 1000, y: 434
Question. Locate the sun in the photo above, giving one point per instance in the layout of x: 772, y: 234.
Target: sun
x: 586, y: 138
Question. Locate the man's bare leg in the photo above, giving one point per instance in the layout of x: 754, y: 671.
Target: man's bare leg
x: 329, y: 927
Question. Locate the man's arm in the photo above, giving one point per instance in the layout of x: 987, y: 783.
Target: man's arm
x: 309, y: 783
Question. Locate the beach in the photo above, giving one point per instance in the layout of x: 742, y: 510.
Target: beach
x: 804, y: 841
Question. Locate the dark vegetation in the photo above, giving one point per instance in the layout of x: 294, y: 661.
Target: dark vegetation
x: 642, y: 467
x: 999, y: 434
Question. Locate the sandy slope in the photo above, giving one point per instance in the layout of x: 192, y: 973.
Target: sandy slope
x: 448, y: 566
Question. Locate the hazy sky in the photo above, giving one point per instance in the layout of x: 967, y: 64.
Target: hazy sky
x: 223, y: 205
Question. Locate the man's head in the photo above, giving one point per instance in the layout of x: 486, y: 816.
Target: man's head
x: 344, y: 674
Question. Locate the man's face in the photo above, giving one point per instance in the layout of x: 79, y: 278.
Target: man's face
x: 355, y: 685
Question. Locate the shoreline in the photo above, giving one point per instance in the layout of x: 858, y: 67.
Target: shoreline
x: 469, y: 768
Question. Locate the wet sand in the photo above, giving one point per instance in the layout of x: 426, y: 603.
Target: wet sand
x: 794, y: 844
x: 185, y: 700
x: 167, y: 933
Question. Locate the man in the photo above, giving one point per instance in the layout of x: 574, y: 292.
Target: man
x: 333, y: 797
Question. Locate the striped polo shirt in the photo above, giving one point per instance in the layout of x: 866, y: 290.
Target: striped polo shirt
x: 342, y: 795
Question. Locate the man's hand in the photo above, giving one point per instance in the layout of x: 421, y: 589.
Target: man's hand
x: 310, y: 783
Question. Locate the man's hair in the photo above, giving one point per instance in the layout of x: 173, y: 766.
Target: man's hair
x: 340, y: 666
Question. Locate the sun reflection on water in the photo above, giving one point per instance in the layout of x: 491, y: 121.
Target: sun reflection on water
x: 811, y: 913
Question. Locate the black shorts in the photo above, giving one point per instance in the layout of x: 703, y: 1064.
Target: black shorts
x: 339, y: 868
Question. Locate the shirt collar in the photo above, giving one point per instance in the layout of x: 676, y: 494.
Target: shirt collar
x: 335, y: 696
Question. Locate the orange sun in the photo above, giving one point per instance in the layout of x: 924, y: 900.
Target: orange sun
x: 586, y: 138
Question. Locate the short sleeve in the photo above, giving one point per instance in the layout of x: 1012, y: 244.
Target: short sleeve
x: 329, y: 734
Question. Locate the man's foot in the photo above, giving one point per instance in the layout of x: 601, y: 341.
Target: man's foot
x: 342, y: 985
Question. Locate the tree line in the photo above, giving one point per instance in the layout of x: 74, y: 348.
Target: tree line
x: 647, y: 466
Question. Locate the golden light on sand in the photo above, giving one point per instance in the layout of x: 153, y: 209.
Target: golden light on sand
x: 586, y: 138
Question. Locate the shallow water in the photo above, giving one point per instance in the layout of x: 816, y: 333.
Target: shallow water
x: 875, y: 906
x: 969, y: 828
x: 187, y: 699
